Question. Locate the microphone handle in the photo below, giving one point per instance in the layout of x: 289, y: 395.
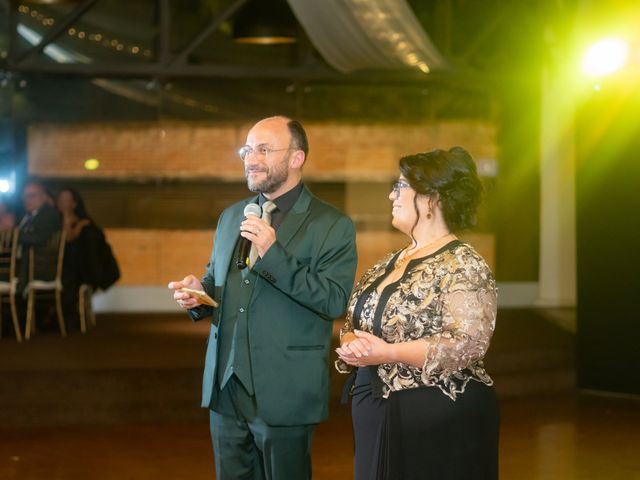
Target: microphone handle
x: 243, y: 253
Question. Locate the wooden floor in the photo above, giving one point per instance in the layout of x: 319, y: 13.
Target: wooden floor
x: 561, y: 434
x: 553, y: 438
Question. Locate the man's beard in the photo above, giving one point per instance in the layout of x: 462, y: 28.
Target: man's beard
x: 274, y: 180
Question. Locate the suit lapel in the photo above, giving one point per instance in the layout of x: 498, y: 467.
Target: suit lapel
x: 228, y: 235
x: 295, y: 218
x: 226, y: 240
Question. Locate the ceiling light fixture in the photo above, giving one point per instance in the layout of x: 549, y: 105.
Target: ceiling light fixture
x: 265, y: 22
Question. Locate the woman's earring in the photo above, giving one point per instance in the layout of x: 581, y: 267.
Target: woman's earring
x: 429, y: 215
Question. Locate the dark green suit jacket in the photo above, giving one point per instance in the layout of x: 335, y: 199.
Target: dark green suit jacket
x: 304, y: 282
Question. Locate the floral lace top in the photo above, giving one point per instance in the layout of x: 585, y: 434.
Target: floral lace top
x: 448, y: 299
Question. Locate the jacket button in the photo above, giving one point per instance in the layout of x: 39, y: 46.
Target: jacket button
x: 241, y: 310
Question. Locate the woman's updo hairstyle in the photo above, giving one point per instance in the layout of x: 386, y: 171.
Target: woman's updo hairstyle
x: 452, y: 175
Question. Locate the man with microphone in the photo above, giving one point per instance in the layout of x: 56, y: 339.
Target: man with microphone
x: 281, y: 270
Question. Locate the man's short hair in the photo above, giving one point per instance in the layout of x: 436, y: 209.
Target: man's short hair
x: 298, y: 136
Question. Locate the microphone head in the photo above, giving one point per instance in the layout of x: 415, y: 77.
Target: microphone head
x: 252, y: 209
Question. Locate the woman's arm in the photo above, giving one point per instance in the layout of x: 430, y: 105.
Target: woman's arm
x: 73, y: 229
x: 468, y: 323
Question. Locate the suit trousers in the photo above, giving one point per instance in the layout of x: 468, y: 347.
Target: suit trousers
x: 247, y: 448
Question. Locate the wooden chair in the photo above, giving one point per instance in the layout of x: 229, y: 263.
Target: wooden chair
x: 45, y: 276
x: 85, y: 308
x: 8, y: 278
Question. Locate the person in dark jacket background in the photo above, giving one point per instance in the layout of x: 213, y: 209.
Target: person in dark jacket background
x: 39, y: 223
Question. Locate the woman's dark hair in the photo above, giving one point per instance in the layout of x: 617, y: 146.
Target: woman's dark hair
x: 80, y: 210
x: 453, y: 177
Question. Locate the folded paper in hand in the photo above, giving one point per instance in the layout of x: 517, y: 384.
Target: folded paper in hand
x: 202, y: 296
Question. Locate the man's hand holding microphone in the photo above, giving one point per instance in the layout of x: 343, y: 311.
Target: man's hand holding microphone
x: 189, y: 292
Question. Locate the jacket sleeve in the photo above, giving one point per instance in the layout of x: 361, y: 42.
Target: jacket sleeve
x: 208, y: 284
x: 325, y: 288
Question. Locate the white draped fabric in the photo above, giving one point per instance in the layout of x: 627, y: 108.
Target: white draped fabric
x: 367, y: 34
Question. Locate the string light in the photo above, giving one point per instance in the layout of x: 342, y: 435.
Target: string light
x: 379, y: 22
x: 85, y: 35
x: 116, y: 44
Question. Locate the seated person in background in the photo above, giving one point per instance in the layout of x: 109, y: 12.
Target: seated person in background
x: 74, y: 215
x: 40, y: 222
x: 87, y: 257
x: 7, y: 218
x: 7, y: 223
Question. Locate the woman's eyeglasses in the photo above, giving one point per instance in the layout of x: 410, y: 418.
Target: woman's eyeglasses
x: 397, y: 186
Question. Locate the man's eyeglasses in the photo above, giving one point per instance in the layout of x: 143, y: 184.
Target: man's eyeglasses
x: 260, y: 150
x: 397, y: 186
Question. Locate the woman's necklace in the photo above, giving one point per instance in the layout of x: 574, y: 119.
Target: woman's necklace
x: 404, y: 257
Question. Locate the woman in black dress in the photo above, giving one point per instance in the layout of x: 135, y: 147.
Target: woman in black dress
x: 418, y: 326
x: 88, y: 258
x: 75, y: 222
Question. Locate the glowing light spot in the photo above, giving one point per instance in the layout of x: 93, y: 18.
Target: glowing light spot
x: 91, y: 164
x: 412, y: 59
x: 5, y: 185
x: 605, y: 57
x: 424, y: 67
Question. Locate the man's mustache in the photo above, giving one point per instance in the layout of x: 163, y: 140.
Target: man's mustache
x: 255, y: 169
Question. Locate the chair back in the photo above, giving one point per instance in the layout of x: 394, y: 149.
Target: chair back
x: 45, y: 261
x: 8, y: 249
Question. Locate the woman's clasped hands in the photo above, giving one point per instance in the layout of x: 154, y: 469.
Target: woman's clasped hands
x: 361, y: 349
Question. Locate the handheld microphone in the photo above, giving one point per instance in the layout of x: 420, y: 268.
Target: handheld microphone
x: 244, y: 246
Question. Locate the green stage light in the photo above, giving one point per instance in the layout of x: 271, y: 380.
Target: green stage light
x: 605, y: 57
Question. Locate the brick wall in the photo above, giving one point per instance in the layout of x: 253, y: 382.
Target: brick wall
x: 197, y: 150
x: 155, y: 257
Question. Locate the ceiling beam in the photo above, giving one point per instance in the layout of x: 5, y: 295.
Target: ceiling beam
x: 104, y: 69
x: 163, y: 17
x: 467, y: 81
x: 485, y: 33
x: 182, y: 57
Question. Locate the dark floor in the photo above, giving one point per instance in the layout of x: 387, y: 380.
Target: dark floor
x: 121, y: 403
